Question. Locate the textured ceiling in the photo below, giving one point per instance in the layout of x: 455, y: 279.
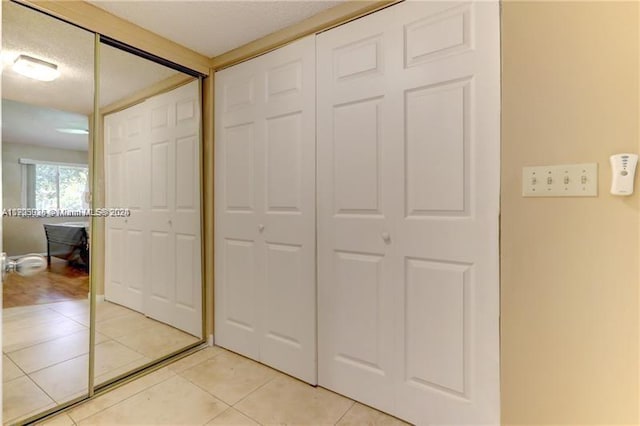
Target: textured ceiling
x: 209, y: 27
x: 212, y: 27
x: 25, y: 31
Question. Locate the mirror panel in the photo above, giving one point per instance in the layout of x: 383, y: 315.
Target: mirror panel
x: 144, y: 261
x: 150, y: 162
x: 45, y: 168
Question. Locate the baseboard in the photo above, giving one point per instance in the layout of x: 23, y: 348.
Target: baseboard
x: 99, y: 297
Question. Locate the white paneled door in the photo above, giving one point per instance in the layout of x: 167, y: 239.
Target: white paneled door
x: 265, y: 293
x: 153, y: 261
x: 408, y: 196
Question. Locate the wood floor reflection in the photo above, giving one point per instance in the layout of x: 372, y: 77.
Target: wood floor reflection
x: 58, y: 283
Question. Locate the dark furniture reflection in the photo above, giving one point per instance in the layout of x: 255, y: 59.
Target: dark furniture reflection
x: 68, y: 241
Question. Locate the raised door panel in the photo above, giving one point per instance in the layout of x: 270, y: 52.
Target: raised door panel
x: 359, y: 300
x: 114, y: 287
x: 284, y: 168
x: 436, y: 339
x: 114, y: 194
x: 284, y: 275
x: 161, y: 283
x: 188, y: 296
x: 159, y: 177
x: 239, y: 168
x: 437, y: 149
x: 237, y: 318
x: 357, y: 174
x: 134, y: 174
x: 187, y: 176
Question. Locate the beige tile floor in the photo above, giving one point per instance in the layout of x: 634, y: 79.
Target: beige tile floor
x: 217, y: 387
x: 45, y: 351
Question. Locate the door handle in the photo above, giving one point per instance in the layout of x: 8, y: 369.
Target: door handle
x: 25, y: 266
x: 386, y: 237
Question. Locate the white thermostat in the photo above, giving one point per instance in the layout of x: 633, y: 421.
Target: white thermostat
x: 623, y: 170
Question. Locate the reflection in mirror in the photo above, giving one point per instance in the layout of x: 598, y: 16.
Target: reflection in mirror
x: 152, y: 289
x: 45, y: 167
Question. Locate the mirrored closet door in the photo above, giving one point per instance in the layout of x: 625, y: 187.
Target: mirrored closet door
x: 47, y: 99
x: 150, y: 150
x: 101, y: 177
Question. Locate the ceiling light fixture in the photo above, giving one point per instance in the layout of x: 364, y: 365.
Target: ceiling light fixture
x: 36, y: 68
x: 74, y: 131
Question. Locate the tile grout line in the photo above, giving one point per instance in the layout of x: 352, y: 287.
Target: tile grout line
x: 53, y: 400
x: 197, y: 385
x: 171, y: 375
x: 122, y: 400
x: 276, y: 376
x: 50, y: 365
x: 42, y: 342
x: 62, y: 318
x: 52, y: 310
x: 220, y: 399
x: 247, y: 415
x: 155, y: 356
x: 64, y: 360
x: 21, y: 417
x: 353, y: 403
x: 24, y: 373
x: 194, y: 365
x: 46, y: 340
x: 230, y: 407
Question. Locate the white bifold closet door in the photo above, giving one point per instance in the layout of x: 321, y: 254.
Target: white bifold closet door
x: 153, y: 258
x: 265, y: 292
x: 408, y: 195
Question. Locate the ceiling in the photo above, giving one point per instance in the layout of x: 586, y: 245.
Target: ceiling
x: 35, y: 125
x: 213, y: 27
x: 25, y: 31
x: 210, y: 27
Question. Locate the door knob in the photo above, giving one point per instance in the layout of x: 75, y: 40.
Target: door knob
x: 261, y: 227
x: 386, y: 237
x: 26, y: 266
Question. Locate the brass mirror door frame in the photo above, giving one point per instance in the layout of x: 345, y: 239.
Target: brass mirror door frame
x: 93, y: 175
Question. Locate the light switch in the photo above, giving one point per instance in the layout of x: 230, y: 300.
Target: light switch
x: 568, y: 180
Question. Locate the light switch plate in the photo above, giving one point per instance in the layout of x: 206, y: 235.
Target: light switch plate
x: 568, y: 180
